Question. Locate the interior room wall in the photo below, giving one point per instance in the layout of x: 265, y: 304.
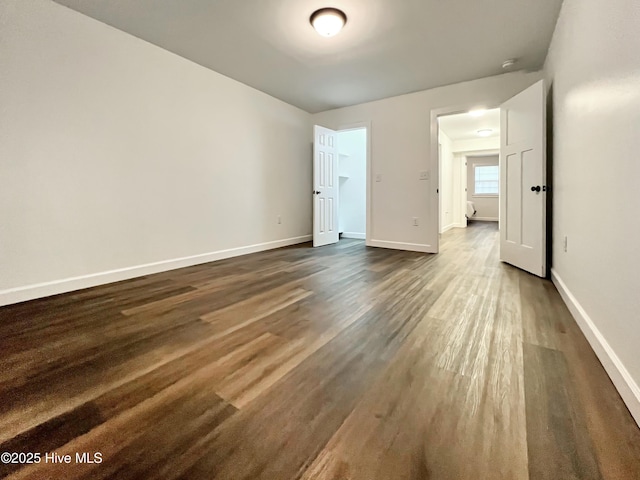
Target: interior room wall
x: 487, y: 207
x: 476, y: 144
x: 447, y: 220
x: 352, y: 146
x: 594, y: 68
x: 401, y: 150
x: 118, y: 158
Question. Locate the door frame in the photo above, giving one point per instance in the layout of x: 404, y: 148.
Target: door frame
x: 435, y: 160
x: 368, y: 216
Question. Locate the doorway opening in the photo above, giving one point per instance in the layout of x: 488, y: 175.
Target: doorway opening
x: 469, y: 174
x: 352, y: 183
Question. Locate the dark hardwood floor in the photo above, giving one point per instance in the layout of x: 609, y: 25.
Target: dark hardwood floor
x: 343, y: 362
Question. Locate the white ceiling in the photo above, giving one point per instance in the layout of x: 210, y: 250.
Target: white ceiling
x: 463, y: 126
x: 387, y: 48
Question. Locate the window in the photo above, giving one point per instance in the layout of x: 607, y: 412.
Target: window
x: 486, y: 178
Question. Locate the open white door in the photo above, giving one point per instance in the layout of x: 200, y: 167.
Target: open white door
x: 522, y: 180
x: 325, y: 186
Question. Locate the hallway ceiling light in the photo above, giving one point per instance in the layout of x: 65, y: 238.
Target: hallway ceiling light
x: 477, y: 113
x: 485, y: 132
x: 328, y: 21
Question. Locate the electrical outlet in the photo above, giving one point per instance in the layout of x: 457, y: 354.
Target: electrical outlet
x: 279, y: 219
x: 566, y: 242
x: 415, y: 221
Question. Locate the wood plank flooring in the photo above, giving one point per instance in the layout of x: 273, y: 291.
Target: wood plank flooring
x: 338, y: 363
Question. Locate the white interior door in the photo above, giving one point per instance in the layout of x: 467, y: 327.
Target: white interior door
x: 325, y: 186
x: 522, y: 181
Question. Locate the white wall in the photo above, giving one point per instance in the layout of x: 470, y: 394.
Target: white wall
x: 594, y: 64
x: 352, y: 145
x: 115, y: 153
x: 447, y: 220
x: 487, y: 208
x: 459, y: 192
x: 401, y: 149
x: 476, y: 144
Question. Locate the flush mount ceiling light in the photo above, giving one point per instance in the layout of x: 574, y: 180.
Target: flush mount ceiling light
x: 477, y: 113
x: 485, y: 132
x: 328, y: 21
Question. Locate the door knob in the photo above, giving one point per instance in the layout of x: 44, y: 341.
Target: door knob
x: 536, y: 188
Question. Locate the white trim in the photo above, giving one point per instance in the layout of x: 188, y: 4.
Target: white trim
x: 485, y: 219
x: 452, y: 226
x: 412, y: 247
x: 358, y: 236
x: 45, y: 289
x: 489, y: 152
x: 620, y: 376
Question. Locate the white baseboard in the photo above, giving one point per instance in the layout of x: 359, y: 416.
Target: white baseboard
x: 39, y: 290
x: 358, y: 236
x: 485, y: 219
x: 620, y: 376
x: 412, y: 247
x: 452, y: 226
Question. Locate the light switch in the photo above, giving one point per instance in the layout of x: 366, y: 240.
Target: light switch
x: 424, y: 175
x: 378, y: 177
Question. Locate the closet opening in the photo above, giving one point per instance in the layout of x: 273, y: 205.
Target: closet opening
x: 352, y: 183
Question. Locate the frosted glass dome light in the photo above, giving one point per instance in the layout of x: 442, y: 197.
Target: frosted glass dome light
x: 328, y: 21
